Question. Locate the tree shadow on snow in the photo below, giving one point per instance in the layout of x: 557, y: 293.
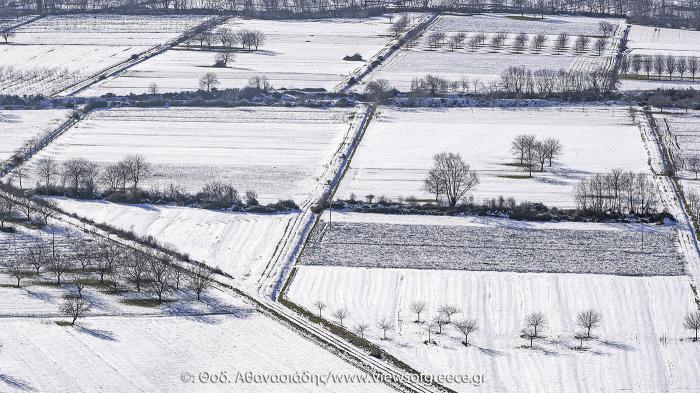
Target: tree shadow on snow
x: 46, y: 297
x: 97, y: 333
x: 17, y: 383
x: 617, y: 345
x: 489, y: 351
x: 212, y: 312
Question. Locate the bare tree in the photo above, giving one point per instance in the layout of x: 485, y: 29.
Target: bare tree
x: 36, y: 255
x: 606, y: 27
x: 539, y: 41
x: 691, y: 322
x: 418, y: 307
x: 340, y: 314
x: 361, y: 329
x: 161, y: 275
x: 137, y: 168
x: 681, y: 66
x: 553, y: 149
x: 670, y: 65
x: 519, y: 42
x: 378, y: 90
x: 589, y: 320
x: 466, y: 327
x: 208, y: 81
x: 540, y: 154
x: 201, y: 279
x: 528, y: 333
x: 692, y: 65
x: 136, y: 268
x: 659, y: 65
x: 320, y: 305
x: 46, y: 209
x: 59, y: 264
x: 74, y: 307
x: 600, y: 45
x: 561, y: 43
x: 79, y: 284
x: 224, y: 57
x: 448, y: 310
x: 429, y: 328
x: 536, y: 321
x: 17, y: 270
x: 47, y: 168
x: 497, y: 40
x: 6, y: 35
x: 692, y: 163
x: 522, y: 146
x: 454, y: 176
x: 580, y: 336
x: 385, y: 325
x: 581, y: 44
x: 435, y: 39
x: 440, y: 320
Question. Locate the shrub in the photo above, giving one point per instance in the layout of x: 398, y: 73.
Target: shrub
x: 355, y: 57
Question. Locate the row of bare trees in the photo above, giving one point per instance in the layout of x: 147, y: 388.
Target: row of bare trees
x: 618, y: 192
x: 519, y: 42
x: 660, y: 65
x: 79, y: 175
x: 533, y: 153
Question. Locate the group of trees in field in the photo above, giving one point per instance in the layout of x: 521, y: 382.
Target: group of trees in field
x: 518, y: 44
x: 533, y: 327
x: 529, y: 152
x: 618, y: 192
x: 209, y: 82
x: 77, y: 262
x: 451, y: 178
x: 660, y: 66
x: 226, y: 42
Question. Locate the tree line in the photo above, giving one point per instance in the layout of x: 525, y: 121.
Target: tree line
x: 533, y: 326
x: 660, y: 66
x: 619, y: 192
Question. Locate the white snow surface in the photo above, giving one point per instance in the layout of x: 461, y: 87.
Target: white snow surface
x: 640, y: 346
x: 20, y: 126
x: 240, y: 244
x: 397, y: 149
x: 276, y: 152
x: 296, y: 54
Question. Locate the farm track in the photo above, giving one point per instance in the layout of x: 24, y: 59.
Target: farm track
x: 671, y: 196
x: 117, y: 69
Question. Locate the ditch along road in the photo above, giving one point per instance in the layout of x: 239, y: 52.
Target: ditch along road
x: 265, y: 291
x: 658, y: 148
x: 118, y: 68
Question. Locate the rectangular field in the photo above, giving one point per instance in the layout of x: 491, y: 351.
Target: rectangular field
x: 396, y: 152
x: 277, y: 152
x: 640, y: 345
x: 485, y: 64
x: 477, y: 243
x: 296, y: 54
x: 52, y: 53
x: 17, y: 127
x: 240, y: 244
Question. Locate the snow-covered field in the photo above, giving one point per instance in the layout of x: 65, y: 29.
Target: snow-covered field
x: 478, y: 243
x: 240, y: 244
x: 397, y: 149
x: 486, y: 64
x: 135, y: 353
x: 296, y: 54
x: 17, y: 127
x: 640, y: 346
x: 51, y: 53
x: 278, y: 152
x: 650, y: 41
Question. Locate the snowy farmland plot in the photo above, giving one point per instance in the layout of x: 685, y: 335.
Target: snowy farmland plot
x: 296, y: 54
x: 276, y: 152
x: 445, y: 243
x: 134, y: 353
x: 397, y: 149
x: 640, y: 345
x: 54, y: 52
x: 651, y: 41
x: 18, y: 127
x: 485, y: 63
x: 240, y: 244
